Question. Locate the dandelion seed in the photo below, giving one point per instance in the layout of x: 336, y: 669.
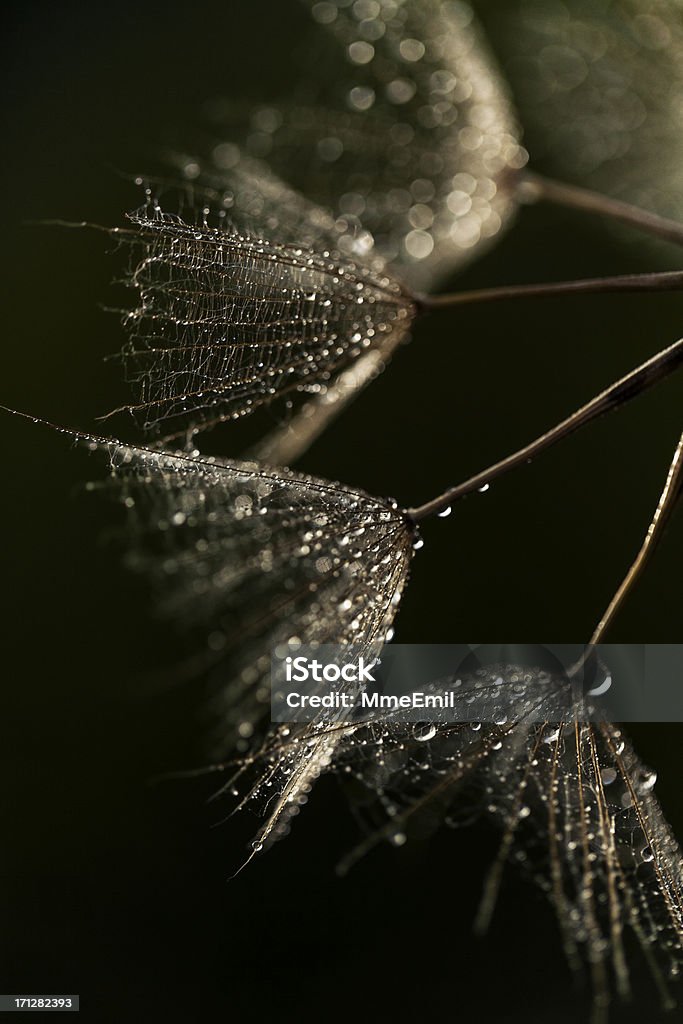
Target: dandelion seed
x: 546, y: 790
x: 200, y: 297
x: 446, y: 84
x: 227, y: 323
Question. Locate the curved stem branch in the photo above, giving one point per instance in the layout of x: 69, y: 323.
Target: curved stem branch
x: 661, y: 281
x: 535, y: 188
x: 622, y: 391
x: 665, y: 506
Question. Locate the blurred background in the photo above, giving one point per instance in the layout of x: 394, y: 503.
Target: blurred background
x: 117, y: 888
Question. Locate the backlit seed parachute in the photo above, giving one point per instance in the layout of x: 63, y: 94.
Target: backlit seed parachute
x: 259, y: 557
x: 397, y: 162
x: 226, y: 323
x: 402, y: 128
x: 578, y: 812
x: 574, y: 803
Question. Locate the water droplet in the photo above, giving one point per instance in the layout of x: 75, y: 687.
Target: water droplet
x: 428, y: 734
x: 419, y: 244
x: 361, y: 97
x: 361, y: 52
x: 647, y: 781
x: 411, y: 49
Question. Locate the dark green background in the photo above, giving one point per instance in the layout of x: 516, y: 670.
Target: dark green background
x: 117, y: 889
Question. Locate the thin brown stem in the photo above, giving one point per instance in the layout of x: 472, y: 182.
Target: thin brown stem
x: 665, y: 506
x: 535, y: 188
x: 670, y: 280
x: 622, y: 391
